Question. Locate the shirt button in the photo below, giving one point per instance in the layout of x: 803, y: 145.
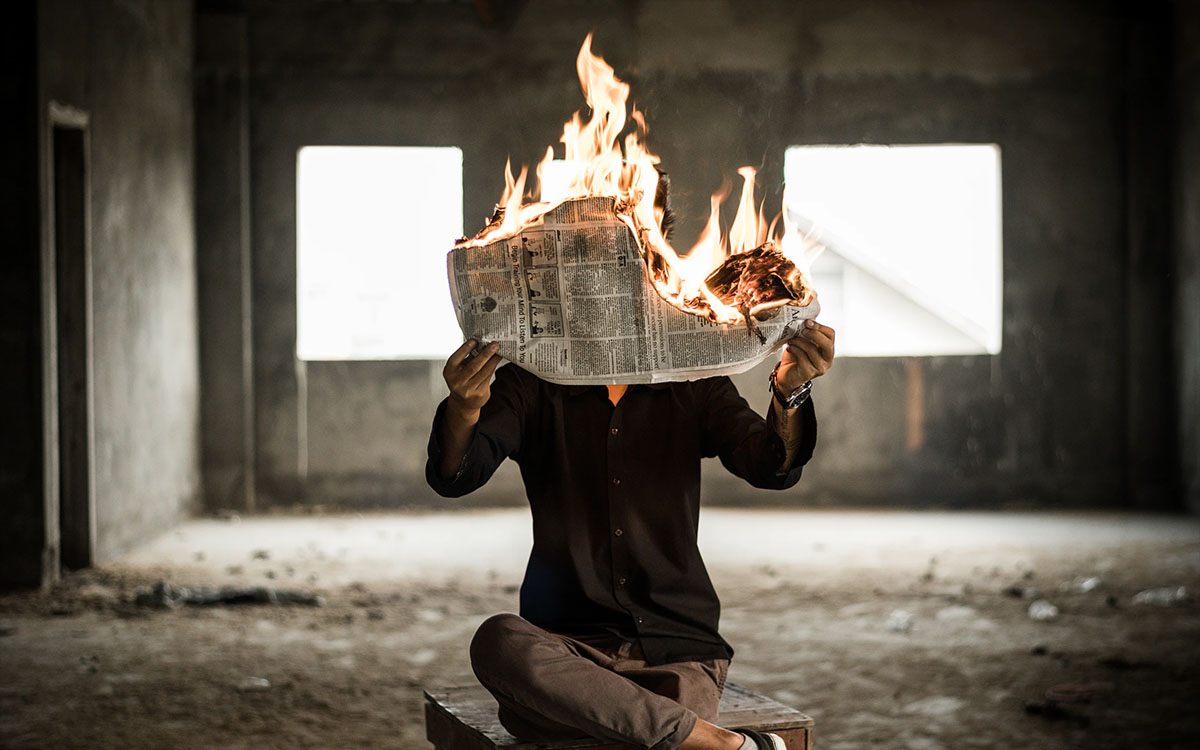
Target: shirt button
x: 616, y: 481
x: 640, y: 621
x: 614, y: 430
x: 620, y: 581
x: 618, y: 532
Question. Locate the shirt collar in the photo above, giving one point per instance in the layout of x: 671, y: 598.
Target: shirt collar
x: 578, y: 390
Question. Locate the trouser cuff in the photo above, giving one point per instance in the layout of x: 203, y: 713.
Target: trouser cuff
x: 682, y: 730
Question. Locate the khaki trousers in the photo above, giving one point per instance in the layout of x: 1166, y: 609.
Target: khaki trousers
x: 556, y: 687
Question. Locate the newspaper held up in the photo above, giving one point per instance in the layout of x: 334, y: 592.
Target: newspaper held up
x: 569, y: 300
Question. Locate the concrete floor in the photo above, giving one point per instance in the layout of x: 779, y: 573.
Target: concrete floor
x: 808, y: 598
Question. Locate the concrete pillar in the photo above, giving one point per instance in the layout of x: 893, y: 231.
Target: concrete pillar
x: 1186, y: 240
x: 1146, y: 348
x: 223, y: 259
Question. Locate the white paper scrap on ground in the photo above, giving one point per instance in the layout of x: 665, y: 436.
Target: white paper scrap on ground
x: 570, y: 301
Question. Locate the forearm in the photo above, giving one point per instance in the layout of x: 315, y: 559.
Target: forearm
x: 458, y: 428
x: 789, y: 426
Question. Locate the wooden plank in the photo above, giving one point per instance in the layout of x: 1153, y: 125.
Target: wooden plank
x: 464, y: 718
x: 738, y: 703
x: 742, y: 707
x: 799, y: 738
x: 446, y: 733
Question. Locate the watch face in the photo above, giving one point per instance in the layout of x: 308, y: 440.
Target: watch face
x: 800, y: 395
x: 793, y: 399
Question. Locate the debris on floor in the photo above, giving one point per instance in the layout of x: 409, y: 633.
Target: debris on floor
x: 900, y: 621
x: 253, y: 685
x: 1043, y: 611
x: 1053, y: 711
x: 165, y: 595
x: 1085, y: 585
x: 1162, y: 597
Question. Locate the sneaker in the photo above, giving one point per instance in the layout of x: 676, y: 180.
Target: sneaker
x: 763, y: 740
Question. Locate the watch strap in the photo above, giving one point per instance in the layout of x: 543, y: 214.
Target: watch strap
x: 789, y: 400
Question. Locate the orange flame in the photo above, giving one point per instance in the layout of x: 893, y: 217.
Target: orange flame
x: 624, y: 169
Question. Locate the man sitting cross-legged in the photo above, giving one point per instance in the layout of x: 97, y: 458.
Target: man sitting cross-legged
x: 617, y: 633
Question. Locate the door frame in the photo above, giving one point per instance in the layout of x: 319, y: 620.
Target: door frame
x: 59, y: 115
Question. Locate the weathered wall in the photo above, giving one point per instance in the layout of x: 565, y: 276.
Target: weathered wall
x: 1187, y: 243
x: 725, y: 84
x: 128, y: 63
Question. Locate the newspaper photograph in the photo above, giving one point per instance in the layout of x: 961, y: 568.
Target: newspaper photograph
x: 570, y: 301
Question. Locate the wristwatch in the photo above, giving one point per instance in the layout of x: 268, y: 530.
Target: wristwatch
x: 793, y: 399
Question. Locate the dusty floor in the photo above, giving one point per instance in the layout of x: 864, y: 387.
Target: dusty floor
x: 808, y: 598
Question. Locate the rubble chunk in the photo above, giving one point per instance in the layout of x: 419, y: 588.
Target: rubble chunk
x: 900, y: 621
x: 253, y: 684
x: 1043, y: 611
x: 1165, y: 596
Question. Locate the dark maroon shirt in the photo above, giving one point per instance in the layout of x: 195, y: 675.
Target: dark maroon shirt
x: 615, y: 497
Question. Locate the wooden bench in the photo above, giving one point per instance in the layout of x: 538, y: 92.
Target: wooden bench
x: 464, y: 718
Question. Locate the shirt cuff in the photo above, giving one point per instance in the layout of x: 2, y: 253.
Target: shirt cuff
x: 442, y: 485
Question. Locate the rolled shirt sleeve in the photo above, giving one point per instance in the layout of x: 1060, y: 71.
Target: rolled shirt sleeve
x: 497, y: 436
x: 746, y: 444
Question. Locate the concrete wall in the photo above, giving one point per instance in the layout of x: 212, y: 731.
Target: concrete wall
x: 724, y: 84
x: 1187, y: 243
x: 128, y: 64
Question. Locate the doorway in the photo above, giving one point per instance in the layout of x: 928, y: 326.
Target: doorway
x: 73, y: 334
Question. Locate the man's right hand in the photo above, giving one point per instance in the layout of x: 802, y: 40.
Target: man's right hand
x: 469, y: 376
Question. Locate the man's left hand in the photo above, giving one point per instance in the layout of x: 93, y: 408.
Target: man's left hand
x: 808, y: 356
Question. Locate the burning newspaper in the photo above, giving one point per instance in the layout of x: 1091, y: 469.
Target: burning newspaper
x: 585, y: 288
x: 572, y: 301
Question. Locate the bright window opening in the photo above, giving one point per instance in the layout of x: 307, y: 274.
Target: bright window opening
x: 373, y: 226
x: 913, y: 262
